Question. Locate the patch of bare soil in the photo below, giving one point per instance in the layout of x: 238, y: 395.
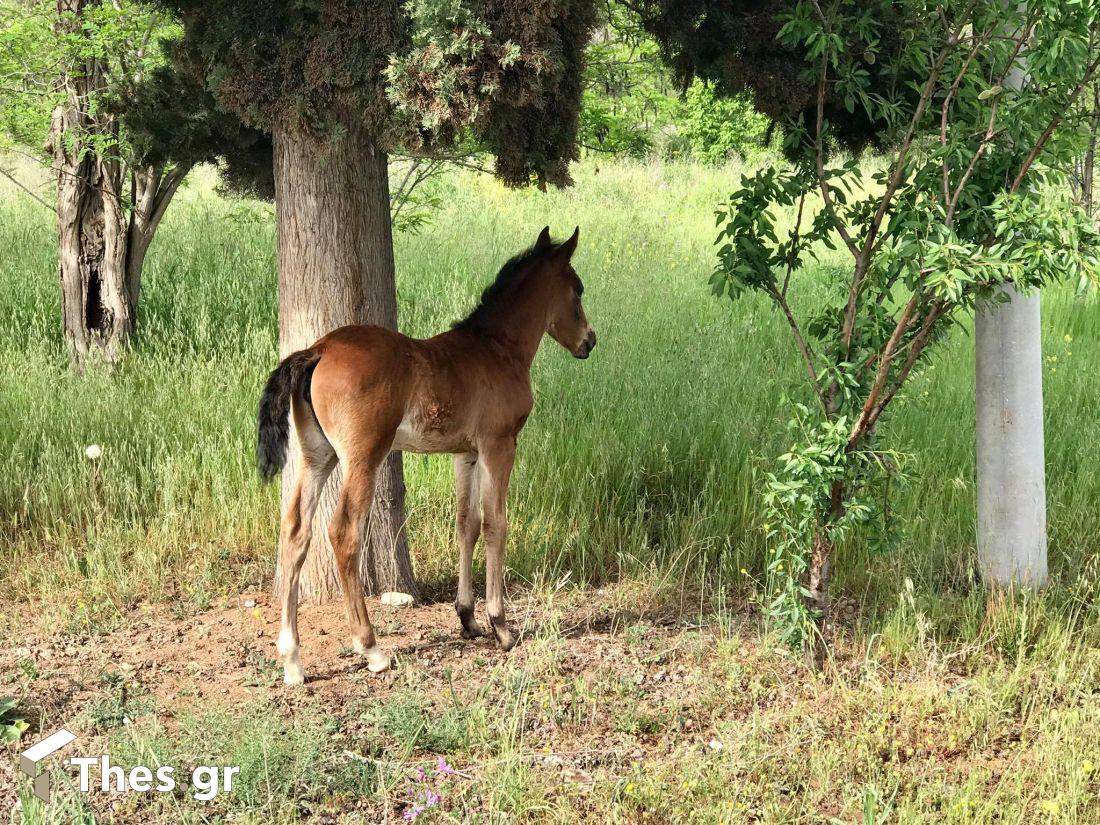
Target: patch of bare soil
x: 228, y: 653
x: 227, y: 657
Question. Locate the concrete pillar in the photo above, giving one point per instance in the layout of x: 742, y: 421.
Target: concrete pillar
x: 1012, y: 511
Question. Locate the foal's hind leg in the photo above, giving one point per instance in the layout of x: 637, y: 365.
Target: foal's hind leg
x: 346, y: 531
x: 468, y: 519
x: 315, y: 465
x: 495, y: 462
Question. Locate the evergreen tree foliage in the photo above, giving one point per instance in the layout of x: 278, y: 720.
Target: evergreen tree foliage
x: 734, y: 45
x: 418, y: 76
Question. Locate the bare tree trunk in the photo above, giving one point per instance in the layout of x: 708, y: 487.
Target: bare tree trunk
x: 821, y: 569
x: 336, y: 268
x: 101, y: 247
x: 152, y: 190
x: 1010, y: 456
x: 820, y: 574
x: 90, y: 222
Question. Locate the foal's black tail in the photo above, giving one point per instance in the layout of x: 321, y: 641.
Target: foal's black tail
x: 291, y: 376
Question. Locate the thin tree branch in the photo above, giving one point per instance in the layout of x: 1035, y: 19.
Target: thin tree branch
x: 990, y: 130
x: 917, y: 347
x: 27, y: 190
x: 819, y: 158
x: 794, y: 244
x: 166, y: 190
x: 945, y: 110
x: 1041, y: 143
x: 863, y: 258
x: 803, y: 348
x: 883, y: 373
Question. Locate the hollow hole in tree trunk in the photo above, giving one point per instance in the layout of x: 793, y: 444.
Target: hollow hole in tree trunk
x: 93, y: 309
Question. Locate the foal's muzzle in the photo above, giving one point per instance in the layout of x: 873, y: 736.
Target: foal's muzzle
x: 587, y: 345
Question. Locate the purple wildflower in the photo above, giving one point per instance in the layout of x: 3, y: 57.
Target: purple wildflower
x: 442, y: 767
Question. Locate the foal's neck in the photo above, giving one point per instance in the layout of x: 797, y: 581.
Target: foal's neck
x: 521, y: 321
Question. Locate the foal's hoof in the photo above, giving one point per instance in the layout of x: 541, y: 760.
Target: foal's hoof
x: 471, y: 630
x: 504, y: 636
x: 293, y: 675
x: 377, y: 661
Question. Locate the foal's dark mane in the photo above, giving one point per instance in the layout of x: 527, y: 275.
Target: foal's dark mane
x: 508, y: 276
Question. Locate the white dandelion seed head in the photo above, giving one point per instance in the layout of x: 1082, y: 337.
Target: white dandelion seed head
x: 93, y: 451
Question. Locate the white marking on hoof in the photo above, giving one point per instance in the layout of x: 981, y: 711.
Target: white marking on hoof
x: 377, y: 661
x: 287, y: 646
x: 293, y: 673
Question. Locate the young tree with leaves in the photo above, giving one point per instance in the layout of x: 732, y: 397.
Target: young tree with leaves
x: 71, y: 71
x: 339, y: 84
x: 967, y: 201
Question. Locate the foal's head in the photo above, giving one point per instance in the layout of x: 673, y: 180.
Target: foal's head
x: 568, y: 324
x: 536, y: 292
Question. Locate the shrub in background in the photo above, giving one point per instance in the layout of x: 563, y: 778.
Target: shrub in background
x: 716, y: 128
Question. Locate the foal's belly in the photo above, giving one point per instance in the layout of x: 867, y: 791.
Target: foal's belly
x: 415, y: 435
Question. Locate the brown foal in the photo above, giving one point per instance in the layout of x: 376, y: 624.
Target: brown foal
x: 362, y: 391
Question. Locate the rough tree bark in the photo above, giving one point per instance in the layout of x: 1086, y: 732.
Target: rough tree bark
x: 152, y: 189
x: 94, y: 305
x: 336, y: 267
x: 101, y: 244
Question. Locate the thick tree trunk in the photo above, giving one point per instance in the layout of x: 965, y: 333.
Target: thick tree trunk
x: 1011, y: 458
x: 1011, y: 467
x: 336, y: 268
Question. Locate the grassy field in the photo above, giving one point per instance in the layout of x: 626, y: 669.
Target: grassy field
x: 646, y: 689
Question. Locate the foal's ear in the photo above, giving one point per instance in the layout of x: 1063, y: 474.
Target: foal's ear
x: 544, y: 238
x: 567, y: 249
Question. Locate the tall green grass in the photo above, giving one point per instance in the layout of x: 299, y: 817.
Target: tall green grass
x: 643, y: 461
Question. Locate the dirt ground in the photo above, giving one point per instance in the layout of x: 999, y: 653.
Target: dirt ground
x: 226, y: 657
x: 229, y: 653
x: 616, y: 706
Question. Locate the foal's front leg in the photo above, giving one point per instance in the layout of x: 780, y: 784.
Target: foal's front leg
x: 468, y: 520
x: 495, y: 465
